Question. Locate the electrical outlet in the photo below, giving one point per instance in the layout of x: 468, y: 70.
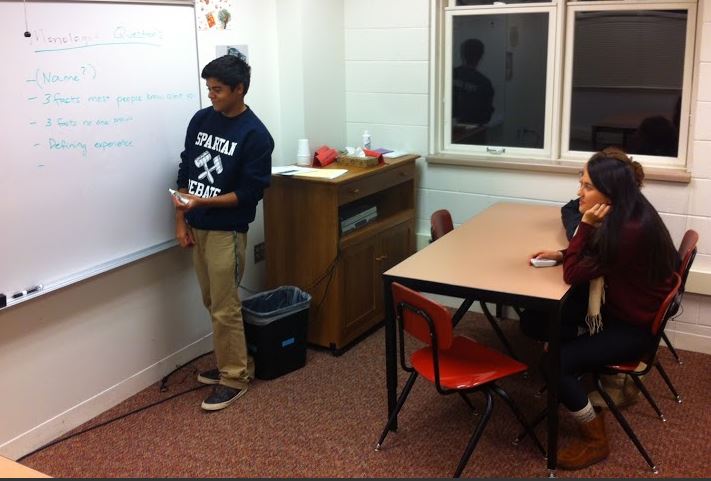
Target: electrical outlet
x: 259, y: 252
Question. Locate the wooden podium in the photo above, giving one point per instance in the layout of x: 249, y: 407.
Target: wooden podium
x: 306, y: 248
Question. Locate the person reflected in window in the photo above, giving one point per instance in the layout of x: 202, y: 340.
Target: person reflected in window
x: 656, y: 135
x: 473, y: 96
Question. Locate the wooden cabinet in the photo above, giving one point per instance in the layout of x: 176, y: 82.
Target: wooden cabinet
x: 342, y: 272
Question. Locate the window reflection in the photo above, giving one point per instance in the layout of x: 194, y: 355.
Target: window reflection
x: 627, y: 81
x: 499, y: 79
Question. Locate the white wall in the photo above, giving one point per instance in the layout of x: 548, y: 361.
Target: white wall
x: 386, y: 53
x: 393, y: 37
x: 73, y: 353
x: 310, y: 37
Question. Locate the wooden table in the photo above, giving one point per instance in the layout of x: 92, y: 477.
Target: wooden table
x: 487, y: 259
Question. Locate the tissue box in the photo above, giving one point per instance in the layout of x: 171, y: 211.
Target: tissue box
x: 357, y: 161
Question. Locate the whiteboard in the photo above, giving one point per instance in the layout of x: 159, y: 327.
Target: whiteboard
x: 94, y: 110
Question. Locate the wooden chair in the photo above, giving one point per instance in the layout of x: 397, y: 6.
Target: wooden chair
x: 440, y: 224
x: 454, y: 364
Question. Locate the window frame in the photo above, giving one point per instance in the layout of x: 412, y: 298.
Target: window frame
x: 649, y: 160
x: 519, y: 8
x: 555, y: 151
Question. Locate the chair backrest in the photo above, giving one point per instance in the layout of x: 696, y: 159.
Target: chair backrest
x: 667, y: 308
x: 687, y: 253
x: 440, y: 223
x: 421, y: 317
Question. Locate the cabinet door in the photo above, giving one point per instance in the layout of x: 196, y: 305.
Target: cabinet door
x: 360, y: 284
x: 396, y: 245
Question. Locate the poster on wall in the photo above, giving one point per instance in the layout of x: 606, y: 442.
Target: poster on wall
x: 237, y: 50
x: 215, y: 14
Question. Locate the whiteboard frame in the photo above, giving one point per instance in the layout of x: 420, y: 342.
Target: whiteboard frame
x: 134, y: 256
x: 91, y: 272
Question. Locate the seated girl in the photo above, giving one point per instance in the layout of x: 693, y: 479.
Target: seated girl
x: 623, y: 255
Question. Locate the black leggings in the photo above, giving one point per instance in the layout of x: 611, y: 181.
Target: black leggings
x: 618, y: 342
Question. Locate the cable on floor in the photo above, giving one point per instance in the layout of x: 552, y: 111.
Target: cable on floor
x: 162, y: 388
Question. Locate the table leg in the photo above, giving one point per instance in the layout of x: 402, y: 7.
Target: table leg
x: 390, y: 350
x: 552, y: 382
x: 463, y: 309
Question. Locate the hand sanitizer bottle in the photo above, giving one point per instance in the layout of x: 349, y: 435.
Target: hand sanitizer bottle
x: 366, y: 140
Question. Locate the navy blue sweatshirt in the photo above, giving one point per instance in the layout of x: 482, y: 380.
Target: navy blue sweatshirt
x: 222, y: 155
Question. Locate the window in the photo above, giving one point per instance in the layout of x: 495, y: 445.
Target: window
x: 556, y: 81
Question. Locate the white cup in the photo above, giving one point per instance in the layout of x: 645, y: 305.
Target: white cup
x: 303, y: 152
x: 302, y: 147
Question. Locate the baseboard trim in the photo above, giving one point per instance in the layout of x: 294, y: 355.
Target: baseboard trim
x: 64, y: 422
x: 689, y: 342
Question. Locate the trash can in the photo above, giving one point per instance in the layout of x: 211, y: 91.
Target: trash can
x: 275, y: 326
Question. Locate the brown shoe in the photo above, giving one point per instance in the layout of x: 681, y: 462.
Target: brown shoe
x: 587, y: 450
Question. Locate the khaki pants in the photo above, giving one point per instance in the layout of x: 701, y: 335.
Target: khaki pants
x: 219, y: 259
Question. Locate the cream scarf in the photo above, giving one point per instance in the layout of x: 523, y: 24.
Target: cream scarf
x: 596, y: 298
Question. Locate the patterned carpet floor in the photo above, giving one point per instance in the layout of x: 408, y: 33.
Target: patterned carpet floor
x: 323, y: 421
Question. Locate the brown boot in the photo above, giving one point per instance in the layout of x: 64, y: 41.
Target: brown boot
x: 589, y: 449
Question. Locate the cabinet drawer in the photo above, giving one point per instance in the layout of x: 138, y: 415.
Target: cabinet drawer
x: 371, y: 184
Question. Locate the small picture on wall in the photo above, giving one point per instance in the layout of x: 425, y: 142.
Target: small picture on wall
x: 238, y: 50
x: 214, y: 14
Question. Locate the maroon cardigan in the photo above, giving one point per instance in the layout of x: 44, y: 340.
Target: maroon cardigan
x: 629, y: 297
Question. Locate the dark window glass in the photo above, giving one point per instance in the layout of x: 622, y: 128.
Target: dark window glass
x: 627, y: 81
x: 499, y: 79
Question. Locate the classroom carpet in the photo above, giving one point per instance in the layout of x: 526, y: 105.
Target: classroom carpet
x: 324, y: 420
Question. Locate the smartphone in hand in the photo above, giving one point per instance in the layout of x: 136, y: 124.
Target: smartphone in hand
x: 178, y: 196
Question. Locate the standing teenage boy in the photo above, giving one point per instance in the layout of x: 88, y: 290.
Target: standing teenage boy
x: 224, y: 169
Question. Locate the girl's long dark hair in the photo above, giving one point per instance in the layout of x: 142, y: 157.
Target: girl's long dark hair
x: 618, y: 178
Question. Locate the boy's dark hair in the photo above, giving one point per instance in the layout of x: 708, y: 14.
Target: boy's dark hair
x: 472, y: 51
x: 231, y: 70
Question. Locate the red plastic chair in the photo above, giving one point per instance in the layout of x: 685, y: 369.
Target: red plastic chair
x: 687, y: 253
x: 454, y: 364
x: 440, y: 224
x: 641, y: 367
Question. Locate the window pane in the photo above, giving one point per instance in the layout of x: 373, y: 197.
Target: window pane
x: 628, y: 69
x: 499, y: 79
